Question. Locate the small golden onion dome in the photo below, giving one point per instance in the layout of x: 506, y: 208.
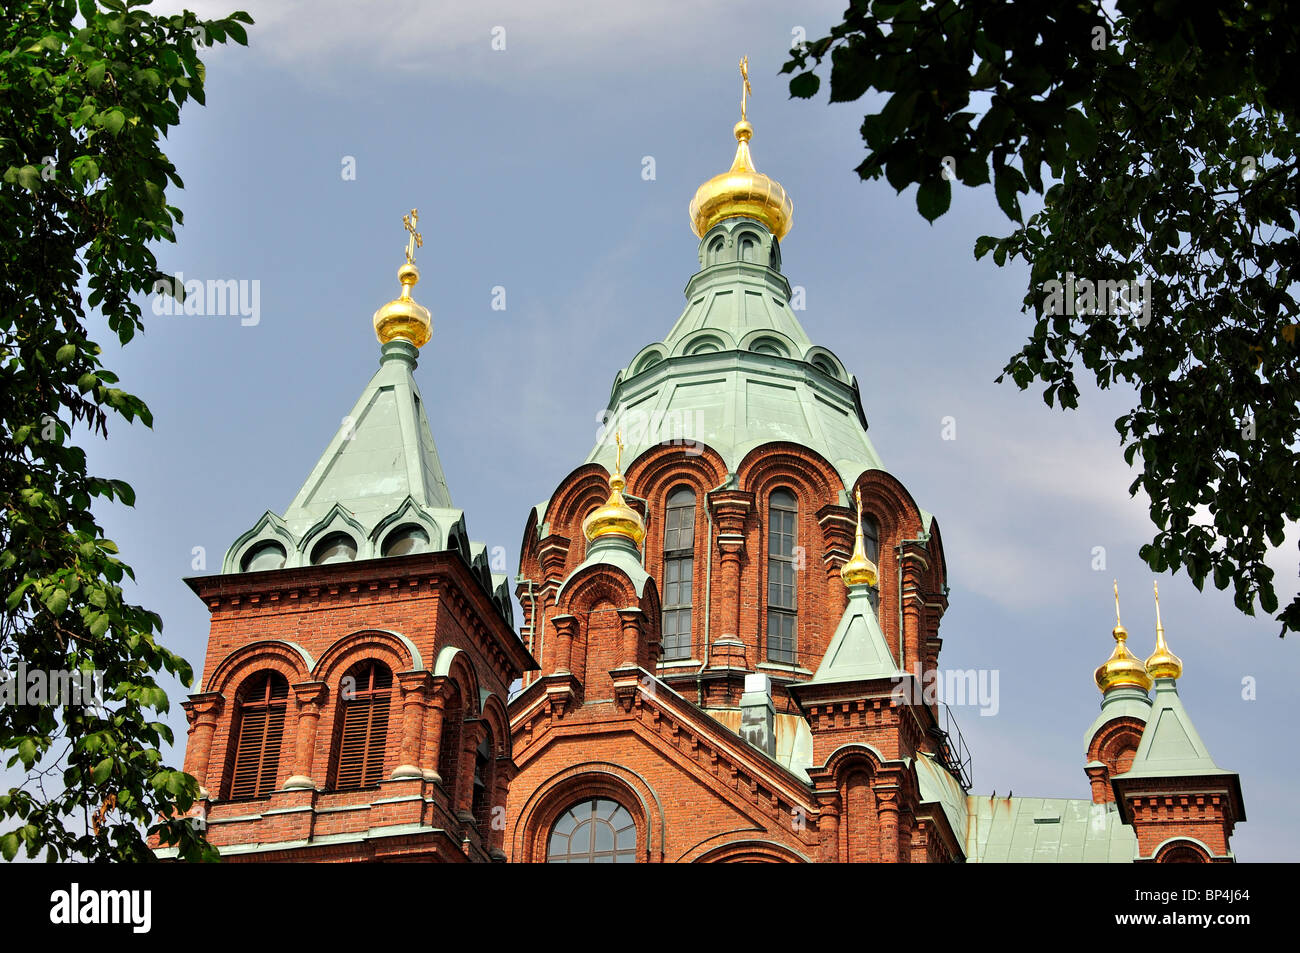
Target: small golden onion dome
x: 859, y: 570
x: 1163, y: 663
x: 1123, y: 668
x: 742, y: 192
x: 614, y: 517
x: 403, y: 317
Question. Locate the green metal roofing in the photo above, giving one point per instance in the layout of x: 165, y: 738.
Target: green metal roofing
x: 794, y: 741
x: 1119, y: 703
x: 1170, y: 746
x: 1035, y: 830
x: 858, y: 650
x: 737, y: 370
x: 616, y: 551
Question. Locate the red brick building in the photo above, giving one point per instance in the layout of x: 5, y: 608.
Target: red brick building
x: 730, y: 634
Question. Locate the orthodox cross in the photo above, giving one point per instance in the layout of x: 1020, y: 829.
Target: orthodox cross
x: 1117, y: 603
x: 416, y: 240
x: 618, y: 459
x: 745, y: 88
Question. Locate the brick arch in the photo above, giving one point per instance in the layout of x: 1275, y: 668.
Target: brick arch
x: 578, y: 782
x: 600, y: 583
x: 455, y: 665
x: 285, y: 657
x: 660, y: 468
x: 852, y: 757
x: 765, y: 468
x: 747, y: 850
x: 576, y: 496
x: 1116, y: 742
x: 1182, y: 850
x: 378, y: 644
x: 889, y: 502
x: 529, y: 544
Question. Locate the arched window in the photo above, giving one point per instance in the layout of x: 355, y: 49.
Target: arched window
x: 334, y: 548
x: 596, y: 831
x: 679, y: 566
x: 481, y: 804
x: 453, y: 717
x: 715, y: 250
x: 782, y: 602
x: 748, y: 248
x: 871, y: 543
x: 406, y: 540
x: 264, y: 556
x: 365, y: 699
x: 263, y: 701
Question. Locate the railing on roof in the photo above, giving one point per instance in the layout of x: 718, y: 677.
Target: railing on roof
x: 952, y: 747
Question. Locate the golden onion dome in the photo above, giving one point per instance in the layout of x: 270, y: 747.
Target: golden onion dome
x: 742, y: 191
x: 859, y: 570
x: 1163, y: 663
x: 1123, y: 668
x: 614, y: 517
x: 403, y: 317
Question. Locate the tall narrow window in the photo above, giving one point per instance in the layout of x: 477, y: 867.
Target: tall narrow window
x: 782, y: 604
x: 365, y: 700
x: 259, y: 730
x: 482, y: 797
x: 453, y: 716
x: 871, y: 543
x: 679, y: 566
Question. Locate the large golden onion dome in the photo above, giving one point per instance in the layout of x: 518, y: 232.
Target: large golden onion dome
x: 403, y: 317
x: 1163, y: 663
x: 614, y: 517
x: 742, y: 191
x: 1123, y: 669
x: 859, y: 570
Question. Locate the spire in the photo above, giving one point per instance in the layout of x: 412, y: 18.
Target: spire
x: 742, y: 191
x: 1162, y: 663
x: 859, y: 570
x: 1123, y: 669
x: 402, y: 318
x: 615, y: 517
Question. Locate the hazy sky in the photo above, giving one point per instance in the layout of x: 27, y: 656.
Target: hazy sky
x: 526, y: 165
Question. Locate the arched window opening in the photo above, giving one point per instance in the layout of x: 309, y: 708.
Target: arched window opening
x: 748, y: 248
x: 453, y: 717
x: 481, y: 802
x: 263, y: 557
x: 714, y: 253
x: 595, y: 831
x: 406, y: 540
x: 679, y: 573
x: 365, y: 701
x: 782, y: 599
x: 334, y: 548
x: 263, y: 702
x: 871, y: 543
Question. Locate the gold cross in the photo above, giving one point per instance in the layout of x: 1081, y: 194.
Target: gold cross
x: 745, y: 88
x: 416, y: 240
x: 618, y: 460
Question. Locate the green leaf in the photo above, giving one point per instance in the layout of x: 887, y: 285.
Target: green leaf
x: 805, y: 85
x: 95, y: 72
x: 101, y: 771
x: 933, y: 198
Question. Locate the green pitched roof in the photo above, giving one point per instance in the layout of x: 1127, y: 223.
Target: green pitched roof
x: 1124, y: 702
x: 382, y: 453
x: 1170, y: 745
x: 858, y: 650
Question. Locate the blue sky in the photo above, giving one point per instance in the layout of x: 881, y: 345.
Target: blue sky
x: 525, y: 164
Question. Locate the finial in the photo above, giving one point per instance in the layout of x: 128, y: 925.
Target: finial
x: 1123, y: 668
x: 745, y: 88
x: 402, y: 318
x: 742, y: 191
x: 859, y: 570
x: 1162, y: 663
x: 614, y: 517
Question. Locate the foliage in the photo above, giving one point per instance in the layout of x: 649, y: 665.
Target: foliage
x: 87, y: 90
x: 1160, y: 141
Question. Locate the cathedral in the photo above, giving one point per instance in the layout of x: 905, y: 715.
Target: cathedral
x: 730, y: 616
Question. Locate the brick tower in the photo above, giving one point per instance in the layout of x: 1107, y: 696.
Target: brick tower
x: 361, y: 651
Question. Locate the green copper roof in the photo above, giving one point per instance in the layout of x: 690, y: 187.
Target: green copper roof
x: 858, y: 650
x: 738, y: 370
x: 1170, y: 745
x: 1045, y: 830
x: 1119, y: 703
x: 383, y: 453
x: 616, y: 551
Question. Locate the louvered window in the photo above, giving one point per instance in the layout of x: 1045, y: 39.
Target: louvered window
x: 365, y: 701
x: 679, y: 563
x: 782, y: 601
x: 259, y: 733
